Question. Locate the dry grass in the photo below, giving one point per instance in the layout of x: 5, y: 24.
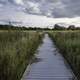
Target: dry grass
x: 69, y: 44
x: 16, y: 50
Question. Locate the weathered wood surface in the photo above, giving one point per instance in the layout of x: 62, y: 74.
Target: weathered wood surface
x: 50, y: 65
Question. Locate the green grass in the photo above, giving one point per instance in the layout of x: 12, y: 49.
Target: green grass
x: 16, y: 51
x: 69, y: 44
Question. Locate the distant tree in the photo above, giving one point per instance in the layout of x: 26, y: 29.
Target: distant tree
x: 77, y: 28
x: 58, y: 27
x: 71, y: 27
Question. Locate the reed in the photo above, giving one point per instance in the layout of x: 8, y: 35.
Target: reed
x: 68, y: 43
x: 16, y: 50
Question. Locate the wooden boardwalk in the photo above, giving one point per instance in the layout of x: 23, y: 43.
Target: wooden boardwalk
x: 50, y: 65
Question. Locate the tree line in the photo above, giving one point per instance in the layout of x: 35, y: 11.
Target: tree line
x: 70, y: 27
x: 55, y: 27
x: 11, y: 27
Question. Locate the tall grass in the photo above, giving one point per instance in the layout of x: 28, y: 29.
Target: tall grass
x: 69, y: 44
x: 16, y: 50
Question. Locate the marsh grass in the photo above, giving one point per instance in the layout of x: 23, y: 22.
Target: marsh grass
x: 69, y: 44
x: 16, y: 50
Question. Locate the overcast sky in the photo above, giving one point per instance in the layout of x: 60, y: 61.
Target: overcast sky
x: 40, y: 12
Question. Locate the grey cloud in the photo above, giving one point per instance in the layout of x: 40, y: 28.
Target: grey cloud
x: 51, y: 1
x: 34, y: 0
x: 72, y: 7
x: 3, y: 1
x: 52, y: 8
x: 11, y: 1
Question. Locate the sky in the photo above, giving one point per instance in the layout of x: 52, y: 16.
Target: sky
x: 41, y: 13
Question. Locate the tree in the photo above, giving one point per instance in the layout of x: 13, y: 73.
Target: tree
x: 71, y: 27
x: 58, y: 27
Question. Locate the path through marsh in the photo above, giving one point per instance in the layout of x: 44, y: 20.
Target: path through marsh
x: 50, y: 64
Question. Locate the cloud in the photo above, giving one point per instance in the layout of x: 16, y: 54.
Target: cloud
x: 1, y: 5
x: 32, y: 8
x: 19, y: 2
x: 53, y: 10
x: 58, y: 8
x: 50, y: 8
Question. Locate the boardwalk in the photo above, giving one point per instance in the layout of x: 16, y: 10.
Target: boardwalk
x: 50, y: 65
